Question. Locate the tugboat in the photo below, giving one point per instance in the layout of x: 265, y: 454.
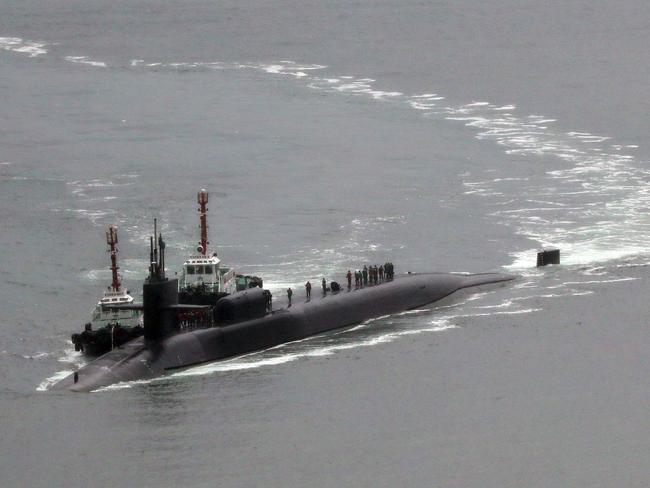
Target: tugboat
x: 204, y: 280
x: 110, y: 327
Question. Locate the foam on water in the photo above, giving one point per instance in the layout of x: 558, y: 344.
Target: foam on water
x: 18, y: 45
x: 36, y: 355
x: 599, y: 182
x: 619, y: 183
x: 500, y: 312
x: 124, y: 385
x: 313, y: 263
x: 85, y: 60
x: 596, y: 282
x: 95, y: 216
x: 129, y: 269
x: 47, y: 383
x: 73, y: 360
x: 94, y: 197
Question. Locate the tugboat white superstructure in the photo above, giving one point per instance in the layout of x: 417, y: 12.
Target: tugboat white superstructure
x: 202, y: 270
x: 203, y: 274
x: 102, y: 316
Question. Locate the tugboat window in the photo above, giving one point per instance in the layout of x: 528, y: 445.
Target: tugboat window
x: 199, y: 270
x: 190, y: 270
x: 208, y: 269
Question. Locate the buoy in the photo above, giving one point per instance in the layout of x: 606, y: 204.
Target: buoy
x: 549, y: 255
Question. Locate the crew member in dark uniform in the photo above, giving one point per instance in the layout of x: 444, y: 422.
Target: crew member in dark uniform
x: 381, y: 273
x: 308, y: 290
x: 365, y: 275
x: 391, y: 273
x: 289, y: 294
x: 349, y: 277
x: 324, y: 284
x: 269, y: 300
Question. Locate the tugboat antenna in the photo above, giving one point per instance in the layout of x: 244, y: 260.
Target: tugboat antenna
x: 202, y: 199
x: 111, y: 240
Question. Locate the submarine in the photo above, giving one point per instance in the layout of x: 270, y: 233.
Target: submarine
x: 246, y: 323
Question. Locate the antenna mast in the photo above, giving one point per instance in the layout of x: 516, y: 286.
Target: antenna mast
x: 156, y: 255
x: 202, y: 199
x: 111, y: 240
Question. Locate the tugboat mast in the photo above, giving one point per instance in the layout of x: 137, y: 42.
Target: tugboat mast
x: 111, y: 240
x: 202, y: 199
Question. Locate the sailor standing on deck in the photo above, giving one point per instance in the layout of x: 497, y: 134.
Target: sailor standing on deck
x: 324, y: 284
x: 269, y: 301
x: 308, y: 290
x: 349, y: 277
x: 289, y: 295
x: 365, y: 275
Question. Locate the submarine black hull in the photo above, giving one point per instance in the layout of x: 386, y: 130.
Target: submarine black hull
x: 143, y: 359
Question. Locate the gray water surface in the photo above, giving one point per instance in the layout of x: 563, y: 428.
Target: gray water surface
x: 450, y: 136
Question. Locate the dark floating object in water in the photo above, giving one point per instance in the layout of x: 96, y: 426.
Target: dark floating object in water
x: 550, y: 255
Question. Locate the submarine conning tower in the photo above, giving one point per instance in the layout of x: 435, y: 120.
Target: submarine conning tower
x: 159, y: 294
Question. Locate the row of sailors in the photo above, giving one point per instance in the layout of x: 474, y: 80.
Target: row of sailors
x: 372, y: 275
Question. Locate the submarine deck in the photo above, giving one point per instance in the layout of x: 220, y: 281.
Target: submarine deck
x: 280, y: 301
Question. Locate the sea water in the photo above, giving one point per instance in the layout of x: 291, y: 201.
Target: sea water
x: 451, y: 136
